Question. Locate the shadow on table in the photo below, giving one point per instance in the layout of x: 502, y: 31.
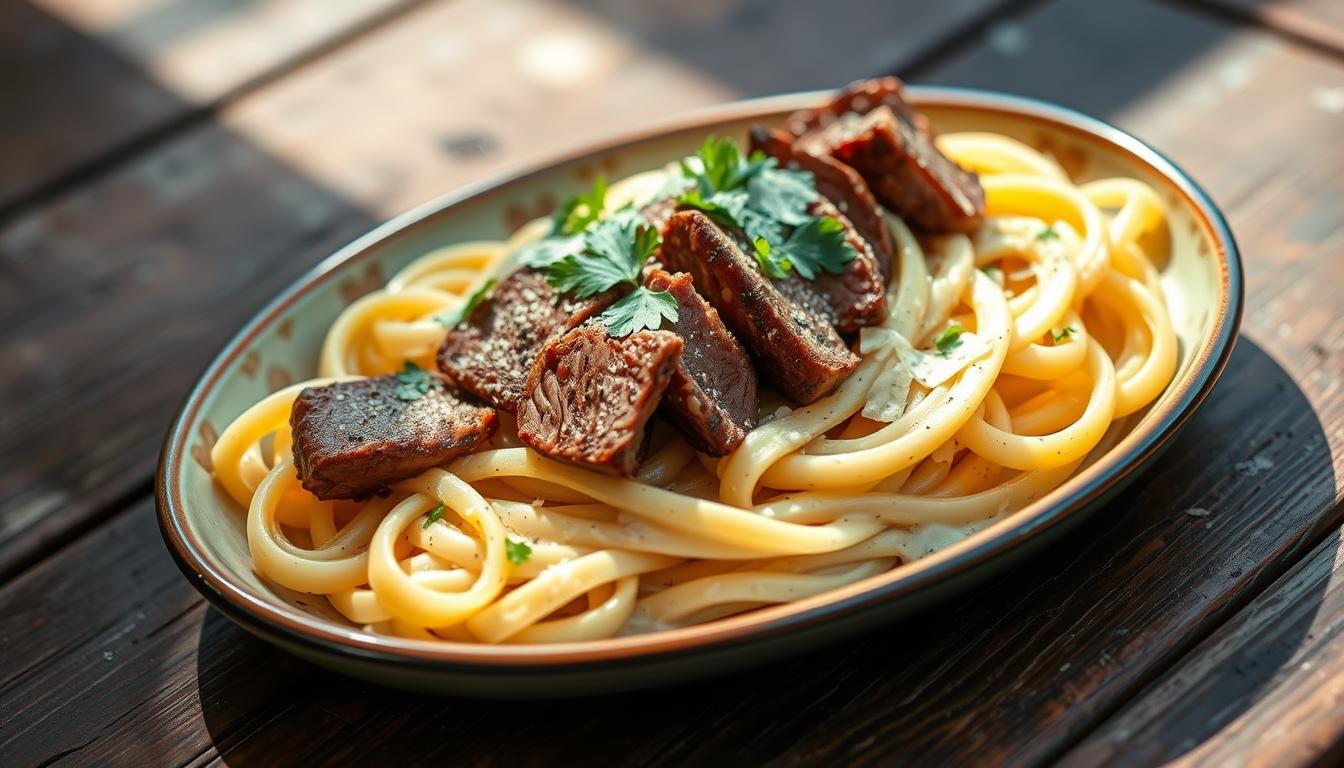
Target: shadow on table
x: 980, y: 675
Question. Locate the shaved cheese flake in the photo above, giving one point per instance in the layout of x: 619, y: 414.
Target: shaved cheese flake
x: 886, y: 400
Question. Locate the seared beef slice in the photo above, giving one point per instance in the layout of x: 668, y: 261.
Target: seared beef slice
x: 798, y: 351
x: 353, y: 439
x: 589, y: 396
x: 491, y: 353
x: 712, y: 396
x: 894, y: 152
x: 836, y: 182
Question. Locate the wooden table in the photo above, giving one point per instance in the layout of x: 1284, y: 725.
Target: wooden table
x: 167, y: 165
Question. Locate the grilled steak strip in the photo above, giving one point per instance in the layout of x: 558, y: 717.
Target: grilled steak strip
x: 491, y: 353
x: 712, y: 395
x: 590, y: 396
x: 780, y: 322
x: 353, y: 439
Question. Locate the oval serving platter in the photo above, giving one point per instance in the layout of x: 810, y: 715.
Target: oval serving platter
x: 204, y: 529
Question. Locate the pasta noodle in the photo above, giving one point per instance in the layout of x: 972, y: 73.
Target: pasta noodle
x: 1065, y: 331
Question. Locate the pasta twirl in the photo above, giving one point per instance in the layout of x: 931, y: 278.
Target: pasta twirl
x: 1064, y: 331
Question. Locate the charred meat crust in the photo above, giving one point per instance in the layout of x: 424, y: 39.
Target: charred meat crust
x: 859, y: 97
x: 712, y: 395
x: 870, y: 128
x: 491, y: 353
x: 836, y: 182
x: 857, y: 297
x: 797, y: 349
x: 590, y: 396
x: 353, y: 439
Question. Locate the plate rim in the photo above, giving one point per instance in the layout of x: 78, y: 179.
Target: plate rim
x: 1117, y: 465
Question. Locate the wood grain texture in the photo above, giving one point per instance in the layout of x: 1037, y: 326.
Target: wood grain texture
x: 107, y: 651
x: 82, y: 78
x: 1320, y: 22
x: 1266, y: 689
x: 114, y: 297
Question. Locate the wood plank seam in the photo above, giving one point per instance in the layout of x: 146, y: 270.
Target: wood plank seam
x: 1272, y: 21
x: 1263, y: 581
x: 966, y: 37
x: 146, y: 141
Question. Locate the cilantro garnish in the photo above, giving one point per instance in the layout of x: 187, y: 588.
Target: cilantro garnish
x: 614, y: 252
x: 568, y: 222
x: 819, y: 244
x: 1048, y: 233
x: 434, y: 515
x: 454, y: 317
x: 413, y: 382
x: 772, y: 265
x: 1058, y: 336
x: 517, y: 551
x: 757, y: 196
x: 575, y: 214
x: 641, y: 309
x: 948, y: 340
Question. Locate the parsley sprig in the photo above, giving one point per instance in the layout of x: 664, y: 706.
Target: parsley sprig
x: 454, y: 317
x: 948, y: 340
x: 770, y: 205
x: 588, y: 252
x: 517, y: 552
x: 568, y: 223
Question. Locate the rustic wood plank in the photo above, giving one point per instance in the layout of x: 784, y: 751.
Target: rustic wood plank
x: 114, y: 297
x: 84, y: 77
x: 1320, y: 22
x: 1266, y: 689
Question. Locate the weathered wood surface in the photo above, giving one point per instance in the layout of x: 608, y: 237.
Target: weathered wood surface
x: 114, y: 297
x: 81, y: 78
x: 1319, y: 22
x: 1150, y: 625
x: 1266, y: 689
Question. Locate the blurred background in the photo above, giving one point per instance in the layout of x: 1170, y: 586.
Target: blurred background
x: 166, y: 166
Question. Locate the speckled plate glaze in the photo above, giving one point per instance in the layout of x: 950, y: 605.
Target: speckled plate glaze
x: 204, y: 530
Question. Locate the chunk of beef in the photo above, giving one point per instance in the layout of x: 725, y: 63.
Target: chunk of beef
x: 859, y: 97
x: 712, y: 396
x: 589, y: 396
x: 836, y: 182
x: 879, y: 136
x: 857, y: 297
x: 353, y: 439
x: 491, y: 353
x: 779, y: 322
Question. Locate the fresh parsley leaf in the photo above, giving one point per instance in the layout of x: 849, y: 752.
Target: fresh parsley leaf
x: 575, y: 214
x: 1048, y: 233
x: 641, y: 309
x: 948, y: 340
x: 721, y: 166
x: 413, y: 382
x: 772, y: 265
x: 517, y: 551
x: 781, y: 194
x: 818, y: 245
x: 1058, y: 336
x: 544, y: 253
x: 615, y: 250
x: 724, y: 208
x: 434, y: 515
x: 454, y: 317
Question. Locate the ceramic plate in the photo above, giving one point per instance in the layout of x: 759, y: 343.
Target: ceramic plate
x: 204, y: 529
